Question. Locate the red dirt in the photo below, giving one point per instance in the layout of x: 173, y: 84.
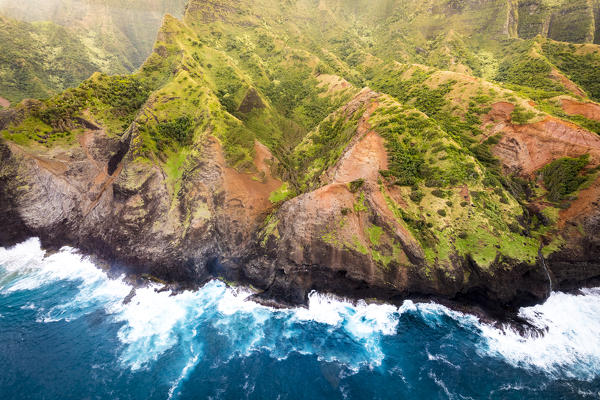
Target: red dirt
x: 364, y: 157
x: 364, y: 160
x: 4, y: 103
x: 241, y: 188
x: 585, y: 204
x: 566, y: 82
x: 525, y: 149
x: 333, y: 196
x: 588, y: 110
x: 464, y: 192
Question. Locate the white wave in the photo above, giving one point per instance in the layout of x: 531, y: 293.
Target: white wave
x: 441, y: 358
x: 440, y: 383
x: 334, y: 329
x: 154, y: 322
x: 22, y: 256
x: 361, y: 320
x: 189, y: 366
x: 29, y: 306
x: 570, y: 346
x: 588, y: 394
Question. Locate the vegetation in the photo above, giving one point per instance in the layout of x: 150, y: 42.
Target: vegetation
x: 38, y: 60
x: 521, y: 116
x: 580, y: 66
x: 285, y: 76
x: 564, y: 176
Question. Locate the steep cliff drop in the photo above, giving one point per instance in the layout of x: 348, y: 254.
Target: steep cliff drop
x: 348, y: 167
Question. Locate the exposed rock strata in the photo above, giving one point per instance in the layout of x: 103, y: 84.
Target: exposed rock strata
x: 96, y: 197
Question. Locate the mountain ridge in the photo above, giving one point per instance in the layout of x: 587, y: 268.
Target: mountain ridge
x: 294, y: 150
x: 107, y: 36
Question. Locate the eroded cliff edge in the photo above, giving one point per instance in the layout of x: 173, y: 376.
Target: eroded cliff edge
x: 354, y: 234
x: 282, y: 170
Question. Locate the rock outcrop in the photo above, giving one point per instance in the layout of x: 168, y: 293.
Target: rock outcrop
x: 338, y: 238
x: 237, y: 152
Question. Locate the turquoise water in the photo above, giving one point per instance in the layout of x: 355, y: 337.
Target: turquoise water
x: 65, y: 333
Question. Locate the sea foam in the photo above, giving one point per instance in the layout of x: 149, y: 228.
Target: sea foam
x: 154, y: 322
x: 570, y: 344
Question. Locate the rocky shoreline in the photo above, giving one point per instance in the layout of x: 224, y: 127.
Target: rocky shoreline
x: 94, y: 196
x: 476, y: 303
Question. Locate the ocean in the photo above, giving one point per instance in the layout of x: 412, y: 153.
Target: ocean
x: 67, y: 333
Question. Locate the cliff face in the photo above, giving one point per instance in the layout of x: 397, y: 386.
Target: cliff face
x: 303, y: 155
x: 122, y: 210
x: 597, y: 21
x: 573, y: 21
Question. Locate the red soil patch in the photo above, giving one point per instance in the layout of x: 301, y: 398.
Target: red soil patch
x: 57, y: 168
x: 566, y: 82
x: 4, y: 103
x: 588, y: 110
x: 330, y: 197
x: 364, y: 160
x: 464, y: 192
x: 525, y: 149
x: 241, y: 189
x: 587, y: 203
x: 364, y: 157
x: 499, y: 113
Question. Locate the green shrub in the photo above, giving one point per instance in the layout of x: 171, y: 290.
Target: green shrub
x: 528, y: 71
x: 416, y: 196
x: 563, y: 176
x: 179, y: 129
x: 583, y: 69
x: 521, y: 116
x: 439, y: 193
x: 355, y: 186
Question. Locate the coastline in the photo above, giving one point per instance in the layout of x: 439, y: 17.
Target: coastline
x: 499, y: 318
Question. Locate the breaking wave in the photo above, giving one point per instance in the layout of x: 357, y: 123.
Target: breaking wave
x: 216, y: 324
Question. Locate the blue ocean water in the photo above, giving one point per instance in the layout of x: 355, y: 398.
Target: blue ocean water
x: 66, y: 333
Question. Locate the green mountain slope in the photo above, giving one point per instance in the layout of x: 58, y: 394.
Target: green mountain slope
x: 40, y: 59
x: 414, y: 147
x: 63, y: 42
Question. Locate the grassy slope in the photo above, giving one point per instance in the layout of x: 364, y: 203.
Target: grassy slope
x: 39, y: 59
x: 244, y: 72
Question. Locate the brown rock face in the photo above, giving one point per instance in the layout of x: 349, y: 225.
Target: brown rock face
x: 588, y: 110
x: 526, y: 148
x: 323, y: 240
x: 343, y: 237
x: 95, y: 196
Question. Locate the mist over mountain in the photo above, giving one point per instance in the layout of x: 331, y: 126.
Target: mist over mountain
x: 68, y: 40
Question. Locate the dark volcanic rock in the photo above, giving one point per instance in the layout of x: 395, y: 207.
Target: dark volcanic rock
x: 94, y: 195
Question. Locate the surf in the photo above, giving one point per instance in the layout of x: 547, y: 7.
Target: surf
x: 217, y: 324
